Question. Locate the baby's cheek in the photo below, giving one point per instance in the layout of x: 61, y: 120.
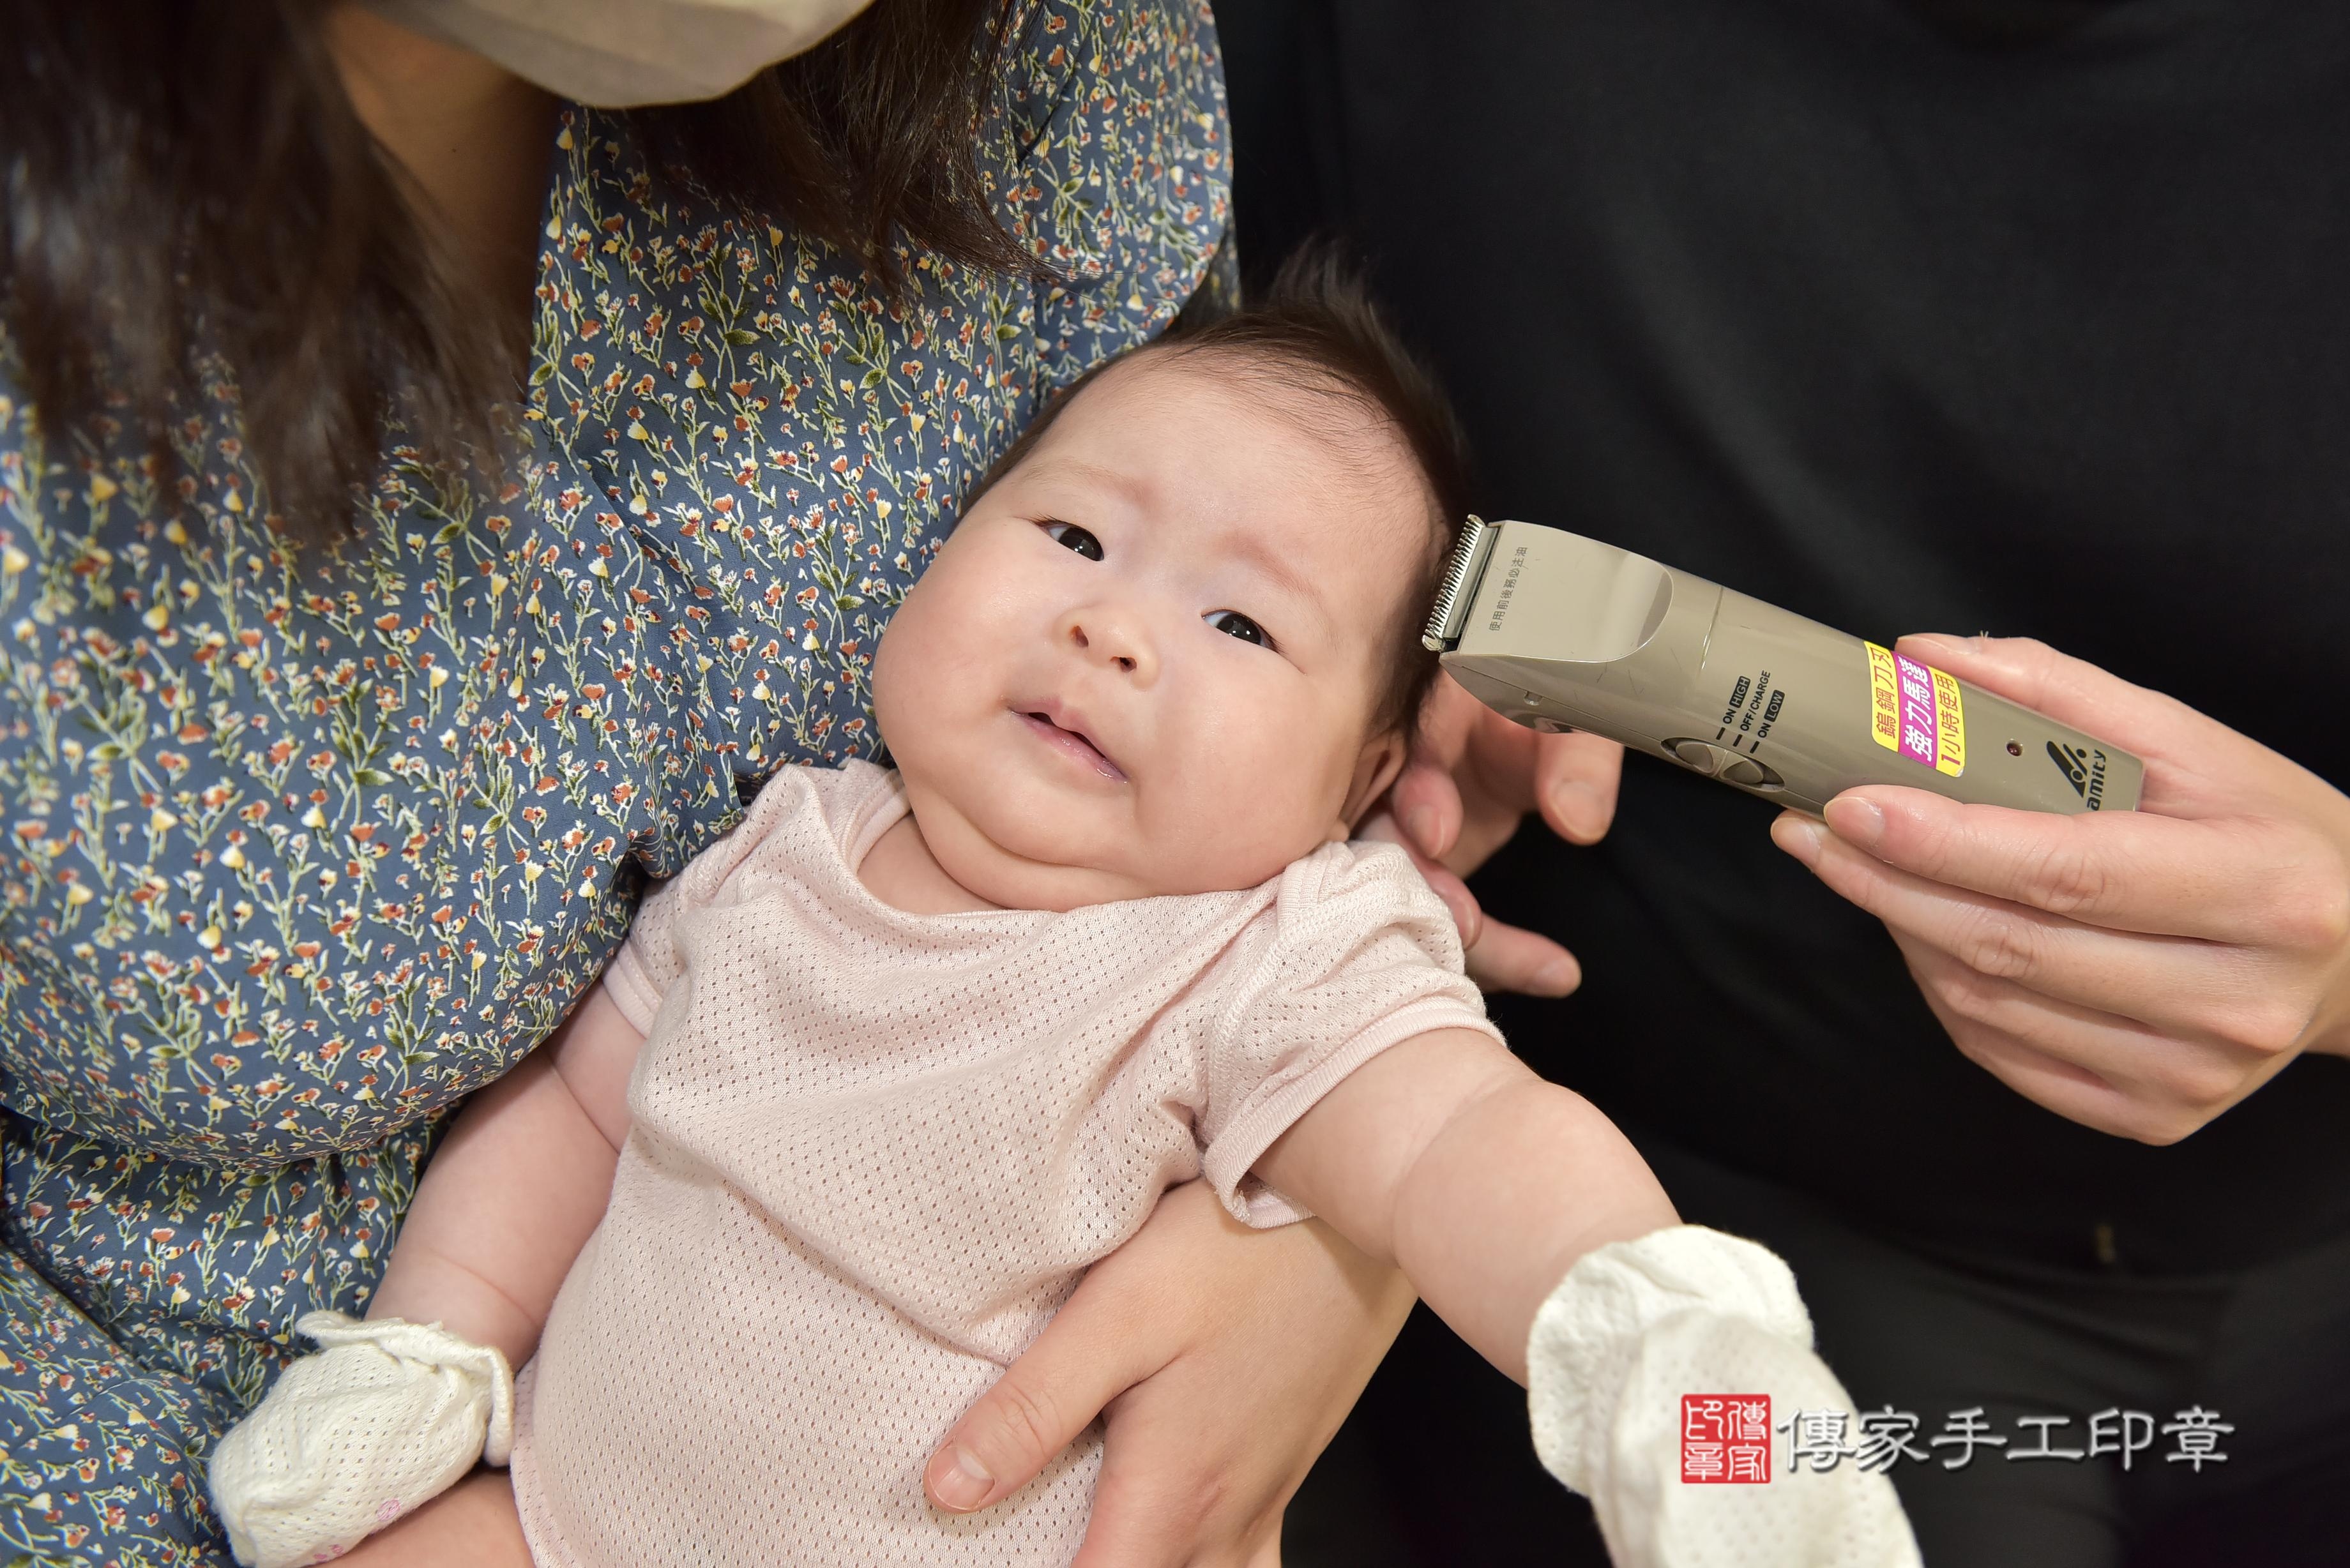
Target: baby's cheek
x: 909, y: 684
x: 885, y: 687
x: 1262, y: 809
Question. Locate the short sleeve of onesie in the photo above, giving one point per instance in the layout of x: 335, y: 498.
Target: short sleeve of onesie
x: 1356, y: 954
x: 648, y: 963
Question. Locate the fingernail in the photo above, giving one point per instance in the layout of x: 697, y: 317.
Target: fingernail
x: 1860, y: 822
x: 1557, y: 978
x: 1799, y: 836
x: 1933, y: 642
x: 1576, y: 807
x: 1420, y: 826
x: 962, y: 1482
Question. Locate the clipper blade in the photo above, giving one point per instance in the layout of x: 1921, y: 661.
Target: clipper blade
x: 1460, y: 579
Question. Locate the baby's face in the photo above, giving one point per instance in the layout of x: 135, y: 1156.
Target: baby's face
x: 1144, y: 662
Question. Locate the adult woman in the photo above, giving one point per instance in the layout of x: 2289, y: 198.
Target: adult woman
x: 325, y: 812
x: 1911, y: 313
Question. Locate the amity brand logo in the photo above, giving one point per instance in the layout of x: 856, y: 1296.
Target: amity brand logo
x: 2085, y: 767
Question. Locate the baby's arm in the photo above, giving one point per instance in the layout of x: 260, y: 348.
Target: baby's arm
x: 1448, y: 1157
x: 1531, y: 1225
x: 390, y: 1412
x: 516, y: 1188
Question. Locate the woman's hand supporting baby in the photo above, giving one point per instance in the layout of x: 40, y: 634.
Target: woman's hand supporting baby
x: 1219, y: 1358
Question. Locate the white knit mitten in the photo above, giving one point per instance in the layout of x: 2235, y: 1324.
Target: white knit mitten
x: 1633, y: 1327
x: 386, y: 1415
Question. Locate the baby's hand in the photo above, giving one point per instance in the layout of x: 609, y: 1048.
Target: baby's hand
x: 1635, y: 1327
x: 386, y: 1415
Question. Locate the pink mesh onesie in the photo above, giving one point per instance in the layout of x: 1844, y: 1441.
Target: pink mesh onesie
x: 873, y: 1151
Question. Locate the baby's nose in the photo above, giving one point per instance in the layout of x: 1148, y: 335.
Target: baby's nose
x: 1104, y: 635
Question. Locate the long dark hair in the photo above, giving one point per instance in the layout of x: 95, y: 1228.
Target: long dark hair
x: 180, y: 176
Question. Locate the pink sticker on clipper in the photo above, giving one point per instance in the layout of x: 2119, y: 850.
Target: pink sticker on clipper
x: 1915, y: 710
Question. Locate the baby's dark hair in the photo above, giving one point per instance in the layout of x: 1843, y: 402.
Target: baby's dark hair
x: 1319, y: 317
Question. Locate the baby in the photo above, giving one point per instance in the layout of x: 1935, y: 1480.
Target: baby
x: 886, y: 1067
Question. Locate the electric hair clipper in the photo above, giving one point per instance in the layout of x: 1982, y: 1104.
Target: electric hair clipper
x: 1561, y: 632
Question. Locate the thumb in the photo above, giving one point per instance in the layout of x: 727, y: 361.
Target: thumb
x: 1425, y: 805
x: 1577, y: 776
x: 1425, y: 800
x: 2069, y: 690
x: 1051, y: 1394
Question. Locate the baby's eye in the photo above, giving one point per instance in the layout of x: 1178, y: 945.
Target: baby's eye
x: 1076, y: 538
x: 1234, y: 624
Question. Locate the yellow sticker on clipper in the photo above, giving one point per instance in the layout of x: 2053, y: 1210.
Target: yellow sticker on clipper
x: 1914, y: 710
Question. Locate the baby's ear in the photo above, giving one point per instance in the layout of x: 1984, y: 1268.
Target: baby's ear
x: 1381, y: 761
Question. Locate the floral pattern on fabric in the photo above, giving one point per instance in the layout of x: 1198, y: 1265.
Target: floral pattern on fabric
x: 301, y: 847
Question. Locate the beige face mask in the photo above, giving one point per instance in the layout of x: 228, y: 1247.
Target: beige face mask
x: 618, y: 54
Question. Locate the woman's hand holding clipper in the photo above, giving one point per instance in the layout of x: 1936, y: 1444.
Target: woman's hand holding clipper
x: 1471, y: 778
x: 2137, y: 971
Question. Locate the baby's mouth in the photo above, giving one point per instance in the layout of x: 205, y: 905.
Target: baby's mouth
x: 1074, y: 744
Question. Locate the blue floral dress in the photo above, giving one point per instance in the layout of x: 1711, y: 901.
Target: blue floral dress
x: 302, y: 847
